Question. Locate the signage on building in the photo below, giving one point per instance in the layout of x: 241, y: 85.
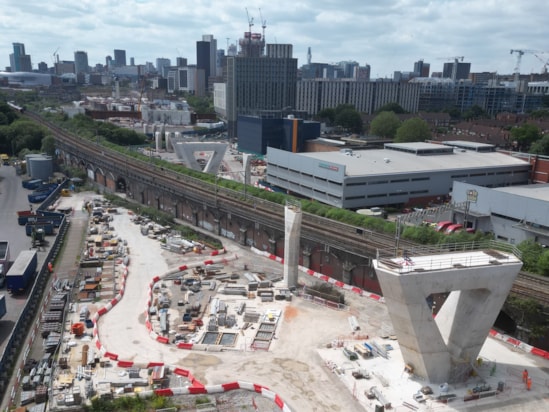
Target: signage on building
x: 328, y: 166
x: 472, y: 196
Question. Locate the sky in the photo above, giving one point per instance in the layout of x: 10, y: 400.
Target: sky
x: 389, y: 35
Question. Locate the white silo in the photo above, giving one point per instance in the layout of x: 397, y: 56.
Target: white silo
x: 158, y: 141
x: 168, y: 136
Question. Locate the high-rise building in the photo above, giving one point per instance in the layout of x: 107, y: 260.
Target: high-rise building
x: 421, y: 68
x: 119, y: 58
x: 181, y: 62
x: 461, y: 71
x: 19, y: 61
x: 161, y: 66
x: 251, y: 45
x: 206, y: 55
x: 256, y: 85
x: 81, y: 62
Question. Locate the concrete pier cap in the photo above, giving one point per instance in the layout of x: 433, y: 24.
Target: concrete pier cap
x: 476, y: 277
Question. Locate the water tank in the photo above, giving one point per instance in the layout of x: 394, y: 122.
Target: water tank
x: 158, y: 141
x: 28, y: 157
x: 40, y: 167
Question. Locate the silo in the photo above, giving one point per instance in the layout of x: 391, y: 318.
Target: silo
x: 168, y: 137
x: 41, y: 166
x: 28, y: 158
x: 158, y: 141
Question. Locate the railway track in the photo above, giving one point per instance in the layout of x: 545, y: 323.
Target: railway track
x: 532, y: 286
x: 357, y: 240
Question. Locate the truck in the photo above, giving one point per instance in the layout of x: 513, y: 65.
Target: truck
x: 4, y: 261
x: 22, y: 271
x: 2, y: 306
x: 4, y: 252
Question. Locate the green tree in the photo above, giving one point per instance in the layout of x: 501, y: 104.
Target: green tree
x: 525, y: 135
x: 541, y: 146
x: 413, y: 130
x: 201, y: 105
x: 540, y: 114
x: 531, y: 252
x: 475, y: 112
x: 328, y: 115
x: 385, y: 125
x: 543, y: 263
x: 391, y: 107
x: 48, y: 145
x: 454, y: 113
x: 25, y: 134
x: 528, y: 314
x: 350, y: 120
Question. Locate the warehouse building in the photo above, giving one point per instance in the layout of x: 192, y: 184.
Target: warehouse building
x: 513, y: 214
x: 400, y: 174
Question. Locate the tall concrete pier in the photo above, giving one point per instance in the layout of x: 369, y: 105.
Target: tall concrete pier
x: 444, y: 348
x: 292, y: 232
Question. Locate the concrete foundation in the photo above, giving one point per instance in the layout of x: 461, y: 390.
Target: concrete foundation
x: 443, y: 349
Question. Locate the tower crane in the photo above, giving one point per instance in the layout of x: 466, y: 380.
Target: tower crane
x: 456, y: 59
x: 520, y: 53
x: 545, y: 64
x: 250, y: 21
x: 263, y: 24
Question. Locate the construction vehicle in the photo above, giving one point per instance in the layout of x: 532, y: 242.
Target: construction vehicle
x: 38, y: 236
x: 22, y: 272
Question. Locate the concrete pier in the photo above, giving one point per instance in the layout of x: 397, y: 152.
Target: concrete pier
x: 444, y: 349
x: 292, y: 233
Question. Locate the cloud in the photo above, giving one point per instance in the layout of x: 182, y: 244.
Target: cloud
x: 389, y: 35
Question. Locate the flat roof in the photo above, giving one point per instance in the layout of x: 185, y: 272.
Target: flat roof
x: 425, y: 263
x: 465, y: 144
x: 385, y: 161
x: 538, y: 191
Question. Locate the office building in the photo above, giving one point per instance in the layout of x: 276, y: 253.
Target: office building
x: 421, y: 68
x: 206, y: 55
x: 256, y: 133
x: 119, y: 58
x: 314, y: 95
x: 162, y: 64
x: 81, y: 62
x: 19, y: 60
x: 256, y: 84
x: 456, y: 70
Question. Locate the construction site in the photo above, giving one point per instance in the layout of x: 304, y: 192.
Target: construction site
x: 149, y: 312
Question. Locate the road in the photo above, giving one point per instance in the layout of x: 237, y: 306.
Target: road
x: 12, y: 198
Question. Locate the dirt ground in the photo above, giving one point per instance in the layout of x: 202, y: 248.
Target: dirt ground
x: 292, y: 367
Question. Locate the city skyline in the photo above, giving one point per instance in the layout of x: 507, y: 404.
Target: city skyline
x: 389, y: 36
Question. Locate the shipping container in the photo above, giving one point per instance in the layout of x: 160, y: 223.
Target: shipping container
x: 22, y: 271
